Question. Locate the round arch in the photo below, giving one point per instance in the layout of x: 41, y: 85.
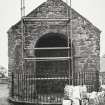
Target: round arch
x: 54, y: 68
x: 52, y: 40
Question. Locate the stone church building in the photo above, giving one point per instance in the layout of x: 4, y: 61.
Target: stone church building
x: 39, y: 63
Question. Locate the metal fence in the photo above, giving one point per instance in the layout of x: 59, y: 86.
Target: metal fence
x: 29, y: 88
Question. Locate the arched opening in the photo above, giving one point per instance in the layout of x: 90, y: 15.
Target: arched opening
x: 56, y: 68
x: 52, y: 40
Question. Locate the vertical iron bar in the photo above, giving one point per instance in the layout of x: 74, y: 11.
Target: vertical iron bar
x: 12, y: 90
x: 25, y: 87
x: 22, y: 85
x: 84, y: 77
x: 79, y: 78
x: 18, y: 85
x: 35, y: 79
x: 31, y: 79
x: 34, y: 86
x: 29, y: 86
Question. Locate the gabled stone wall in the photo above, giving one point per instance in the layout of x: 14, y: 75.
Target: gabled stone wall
x: 85, y: 36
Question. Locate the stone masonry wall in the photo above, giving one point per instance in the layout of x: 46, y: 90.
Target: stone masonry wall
x: 86, y: 37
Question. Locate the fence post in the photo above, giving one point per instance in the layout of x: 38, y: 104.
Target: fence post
x: 12, y: 88
x: 97, y: 80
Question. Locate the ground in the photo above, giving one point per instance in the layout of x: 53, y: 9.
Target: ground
x: 3, y: 94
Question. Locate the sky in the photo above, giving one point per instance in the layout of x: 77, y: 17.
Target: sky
x: 10, y: 14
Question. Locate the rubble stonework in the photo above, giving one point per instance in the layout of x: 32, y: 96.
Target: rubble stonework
x: 85, y: 36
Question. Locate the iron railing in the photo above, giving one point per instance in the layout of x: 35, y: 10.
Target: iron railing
x: 27, y: 87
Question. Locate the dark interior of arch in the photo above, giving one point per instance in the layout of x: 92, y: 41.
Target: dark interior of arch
x: 52, y: 40
x: 51, y: 69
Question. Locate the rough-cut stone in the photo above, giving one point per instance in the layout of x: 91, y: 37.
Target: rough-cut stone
x: 85, y: 37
